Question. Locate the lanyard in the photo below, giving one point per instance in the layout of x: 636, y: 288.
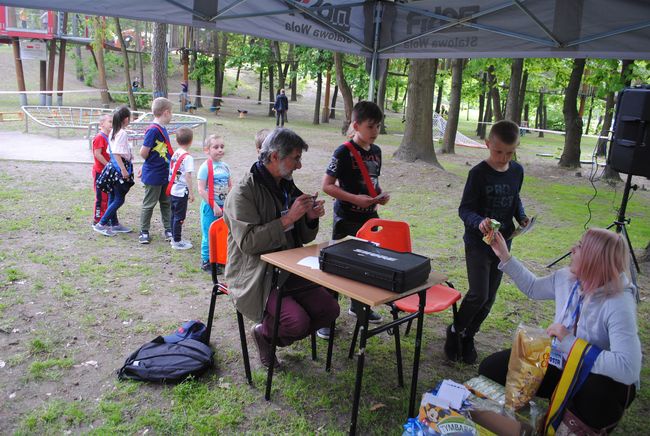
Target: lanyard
x: 575, y: 316
x: 286, y: 199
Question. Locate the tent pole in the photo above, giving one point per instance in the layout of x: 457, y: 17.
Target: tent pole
x: 375, y: 48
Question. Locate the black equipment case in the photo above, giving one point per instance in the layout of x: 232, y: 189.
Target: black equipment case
x: 365, y: 262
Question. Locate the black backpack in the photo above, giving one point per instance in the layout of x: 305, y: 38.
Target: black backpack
x: 159, y: 361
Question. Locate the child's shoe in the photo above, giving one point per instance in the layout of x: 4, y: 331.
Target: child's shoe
x: 205, y: 265
x: 121, y: 229
x: 169, y: 236
x: 181, y: 245
x: 104, y: 230
x: 144, y: 238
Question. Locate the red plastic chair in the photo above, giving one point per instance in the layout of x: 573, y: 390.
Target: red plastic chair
x: 396, y: 235
x: 218, y: 249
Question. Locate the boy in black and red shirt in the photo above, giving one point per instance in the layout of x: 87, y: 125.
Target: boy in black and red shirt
x: 357, y: 194
x: 100, y: 158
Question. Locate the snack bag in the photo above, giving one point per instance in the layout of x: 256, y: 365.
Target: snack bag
x: 494, y: 227
x: 531, y: 348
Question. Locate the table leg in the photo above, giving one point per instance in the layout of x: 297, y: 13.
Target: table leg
x: 274, y: 339
x: 330, y: 346
x: 363, y: 322
x: 418, y: 345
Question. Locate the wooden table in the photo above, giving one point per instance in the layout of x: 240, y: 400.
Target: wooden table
x: 366, y: 294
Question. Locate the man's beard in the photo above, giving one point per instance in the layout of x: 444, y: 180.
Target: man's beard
x: 284, y: 173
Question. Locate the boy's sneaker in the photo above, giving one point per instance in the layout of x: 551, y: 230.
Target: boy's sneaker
x: 169, y: 236
x: 205, y: 265
x: 104, y: 230
x: 181, y: 245
x: 121, y: 229
x: 323, y: 333
x: 144, y: 238
x: 373, y: 317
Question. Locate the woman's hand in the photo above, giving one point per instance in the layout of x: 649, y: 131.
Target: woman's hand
x: 557, y: 330
x: 500, y: 247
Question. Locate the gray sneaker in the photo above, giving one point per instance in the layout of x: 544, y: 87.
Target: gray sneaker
x: 121, y: 229
x: 181, y: 245
x: 104, y: 230
x: 168, y: 235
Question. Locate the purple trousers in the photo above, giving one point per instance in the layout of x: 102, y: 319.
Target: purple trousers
x: 302, y: 313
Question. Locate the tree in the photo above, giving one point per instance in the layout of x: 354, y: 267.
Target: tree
x: 159, y: 60
x: 571, y: 154
x: 449, y: 139
x: 98, y: 49
x: 494, y: 94
x: 125, y: 60
x: 346, y: 92
x: 417, y: 142
x: 512, y: 106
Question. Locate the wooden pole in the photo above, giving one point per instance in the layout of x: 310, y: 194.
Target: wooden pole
x: 20, y: 76
x: 51, y: 61
x: 43, y: 77
x: 61, y: 73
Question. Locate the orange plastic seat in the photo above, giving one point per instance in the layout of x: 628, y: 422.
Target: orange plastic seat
x: 439, y: 298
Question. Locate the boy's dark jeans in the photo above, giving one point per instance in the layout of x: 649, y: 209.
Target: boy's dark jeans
x: 484, y: 278
x: 179, y: 211
x: 340, y: 230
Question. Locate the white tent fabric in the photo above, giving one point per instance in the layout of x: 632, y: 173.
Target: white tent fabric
x: 618, y: 29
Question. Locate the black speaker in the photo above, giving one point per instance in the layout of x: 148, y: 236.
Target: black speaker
x: 629, y: 152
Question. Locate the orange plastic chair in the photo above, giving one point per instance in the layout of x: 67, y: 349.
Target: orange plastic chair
x: 218, y: 249
x: 396, y: 235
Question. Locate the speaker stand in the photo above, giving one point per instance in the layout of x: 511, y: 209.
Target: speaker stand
x: 620, y: 223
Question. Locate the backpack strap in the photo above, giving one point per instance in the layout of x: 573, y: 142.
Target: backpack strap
x: 362, y: 167
x: 170, y: 150
x: 177, y: 165
x: 210, y: 183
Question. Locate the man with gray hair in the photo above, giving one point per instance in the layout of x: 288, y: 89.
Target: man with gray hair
x: 266, y: 212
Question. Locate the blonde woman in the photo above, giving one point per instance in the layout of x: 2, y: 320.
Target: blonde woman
x: 594, y: 301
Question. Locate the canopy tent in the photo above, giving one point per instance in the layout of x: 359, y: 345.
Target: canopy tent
x: 618, y: 29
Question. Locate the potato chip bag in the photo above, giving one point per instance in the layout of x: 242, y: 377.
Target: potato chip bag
x: 531, y: 348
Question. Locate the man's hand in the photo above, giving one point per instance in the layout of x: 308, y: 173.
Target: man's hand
x: 317, y: 210
x: 139, y: 175
x: 299, y: 207
x: 524, y: 222
x: 383, y: 199
x: 485, y: 225
x: 557, y: 330
x: 217, y: 210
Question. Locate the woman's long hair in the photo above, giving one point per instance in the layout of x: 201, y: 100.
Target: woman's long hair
x: 119, y: 115
x: 604, y: 255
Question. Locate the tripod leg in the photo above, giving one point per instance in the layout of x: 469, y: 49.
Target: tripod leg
x: 629, y: 244
x: 558, y: 259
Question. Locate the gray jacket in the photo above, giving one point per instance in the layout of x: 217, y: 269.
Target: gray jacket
x: 606, y: 321
x: 251, y: 213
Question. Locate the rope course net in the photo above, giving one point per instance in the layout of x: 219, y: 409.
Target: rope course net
x: 439, y: 126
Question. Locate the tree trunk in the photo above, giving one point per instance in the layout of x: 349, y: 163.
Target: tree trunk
x: 79, y: 66
x: 333, y: 107
x: 539, y: 119
x: 325, y: 113
x: 591, y: 109
x: 480, y: 127
x: 346, y: 92
x: 138, y: 41
x: 319, y: 88
x: 20, y: 74
x: 294, y: 80
x: 439, y: 99
x: 571, y: 154
x: 512, y: 105
x: 159, y: 60
x: 449, y: 141
x: 125, y: 60
x: 488, y: 115
x: 221, y: 59
x: 259, y: 89
x: 216, y: 102
x: 494, y: 94
x: 61, y: 72
x: 417, y: 142
x: 275, y: 50
x: 526, y: 113
x: 601, y: 147
x: 610, y: 173
x: 522, y: 97
x: 99, y: 53
x: 271, y: 91
x: 381, y: 96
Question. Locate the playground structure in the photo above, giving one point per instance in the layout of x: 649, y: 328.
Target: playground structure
x: 85, y: 118
x: 439, y: 126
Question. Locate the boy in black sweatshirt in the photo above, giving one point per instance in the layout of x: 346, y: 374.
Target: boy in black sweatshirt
x: 491, y: 192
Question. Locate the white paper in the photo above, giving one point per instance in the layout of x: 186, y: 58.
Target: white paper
x: 453, y: 392
x: 310, y: 261
x: 429, y: 398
